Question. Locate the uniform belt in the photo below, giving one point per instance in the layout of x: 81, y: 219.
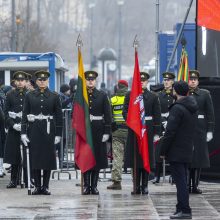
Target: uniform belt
x: 14, y: 115
x: 165, y: 114
x: 201, y: 116
x: 32, y: 118
x: 95, y: 118
x: 148, y: 118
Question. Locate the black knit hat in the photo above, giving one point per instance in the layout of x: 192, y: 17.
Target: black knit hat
x: 64, y: 88
x: 181, y: 88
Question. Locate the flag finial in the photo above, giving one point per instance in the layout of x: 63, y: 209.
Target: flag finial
x: 136, y: 42
x: 79, y: 42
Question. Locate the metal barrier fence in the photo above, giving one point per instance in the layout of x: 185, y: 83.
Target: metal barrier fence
x: 65, y: 148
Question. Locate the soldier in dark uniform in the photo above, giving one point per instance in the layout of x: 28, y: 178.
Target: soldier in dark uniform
x: 153, y: 122
x: 166, y: 99
x: 13, y: 114
x: 42, y: 127
x: 2, y: 141
x: 100, y: 117
x: 204, y: 131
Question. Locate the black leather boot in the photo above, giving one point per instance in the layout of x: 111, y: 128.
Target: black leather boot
x: 86, y: 185
x: 144, y: 188
x: 14, y: 177
x: 94, y: 182
x: 138, y: 180
x: 157, y: 173
x: 46, y: 180
x: 37, y: 182
x: 195, y: 189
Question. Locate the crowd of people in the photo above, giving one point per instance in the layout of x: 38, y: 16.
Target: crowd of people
x: 179, y: 117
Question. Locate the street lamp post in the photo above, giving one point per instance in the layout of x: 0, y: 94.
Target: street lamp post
x: 120, y: 4
x: 91, y: 6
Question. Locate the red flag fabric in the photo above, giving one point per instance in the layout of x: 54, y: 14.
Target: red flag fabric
x: 136, y: 116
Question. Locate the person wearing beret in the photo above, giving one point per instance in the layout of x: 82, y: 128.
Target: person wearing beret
x: 100, y: 117
x: 41, y: 130
x: 13, y: 114
x: 153, y: 123
x: 119, y: 134
x: 166, y: 100
x: 204, y: 131
x: 177, y: 145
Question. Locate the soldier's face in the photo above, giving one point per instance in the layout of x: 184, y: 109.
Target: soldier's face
x: 21, y: 83
x: 168, y: 83
x: 90, y: 83
x: 193, y: 83
x: 144, y: 84
x: 42, y: 83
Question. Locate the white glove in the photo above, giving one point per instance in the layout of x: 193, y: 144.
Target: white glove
x: 209, y: 136
x: 164, y: 123
x: 156, y: 138
x: 57, y: 140
x: 17, y: 127
x: 25, y: 139
x: 105, y: 137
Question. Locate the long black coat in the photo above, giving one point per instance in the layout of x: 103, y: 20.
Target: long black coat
x: 2, y: 133
x: 42, y: 147
x: 203, y: 125
x: 166, y: 100
x: 177, y: 143
x: 99, y: 105
x: 14, y: 103
x: 152, y: 108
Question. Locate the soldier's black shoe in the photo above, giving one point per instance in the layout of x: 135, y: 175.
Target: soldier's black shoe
x: 86, y: 190
x: 137, y: 192
x: 45, y: 191
x: 37, y: 191
x: 181, y: 215
x: 11, y: 185
x: 145, y: 190
x: 94, y: 191
x: 156, y: 181
x: 196, y: 191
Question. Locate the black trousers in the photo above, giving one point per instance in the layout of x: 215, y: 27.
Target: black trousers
x: 179, y: 174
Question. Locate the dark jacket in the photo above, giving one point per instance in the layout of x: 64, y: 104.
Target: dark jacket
x: 177, y: 143
x: 42, y: 147
x: 205, y: 123
x: 99, y: 105
x: 14, y: 103
x: 152, y: 108
x: 2, y: 133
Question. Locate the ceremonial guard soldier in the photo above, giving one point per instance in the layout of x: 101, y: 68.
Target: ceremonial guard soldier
x: 2, y: 141
x: 100, y: 117
x: 204, y: 131
x: 153, y: 123
x: 42, y: 127
x: 13, y: 114
x: 166, y: 100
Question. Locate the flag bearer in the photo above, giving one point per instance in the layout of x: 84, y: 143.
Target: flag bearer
x: 152, y: 120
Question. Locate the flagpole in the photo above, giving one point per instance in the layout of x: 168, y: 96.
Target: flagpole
x: 79, y: 44
x: 135, y: 45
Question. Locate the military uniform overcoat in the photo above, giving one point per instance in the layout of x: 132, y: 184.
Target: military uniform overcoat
x: 166, y: 100
x: 41, y: 133
x: 2, y: 133
x: 205, y: 123
x: 152, y: 109
x: 14, y: 103
x: 99, y: 105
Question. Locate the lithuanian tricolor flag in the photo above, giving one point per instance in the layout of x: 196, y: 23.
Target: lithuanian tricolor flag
x: 183, y: 73
x: 84, y: 151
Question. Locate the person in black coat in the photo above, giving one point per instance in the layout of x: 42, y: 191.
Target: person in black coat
x: 13, y: 114
x: 100, y: 117
x: 153, y: 122
x: 2, y: 141
x: 177, y: 145
x: 204, y: 131
x: 42, y: 127
x: 166, y: 100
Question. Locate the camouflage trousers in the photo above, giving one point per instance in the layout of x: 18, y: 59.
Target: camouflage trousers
x: 118, y: 146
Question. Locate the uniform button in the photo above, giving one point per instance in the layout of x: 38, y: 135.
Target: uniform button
x: 41, y: 106
x: 41, y: 94
x: 90, y: 107
x: 41, y: 100
x: 21, y: 99
x: 90, y: 101
x: 21, y: 105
